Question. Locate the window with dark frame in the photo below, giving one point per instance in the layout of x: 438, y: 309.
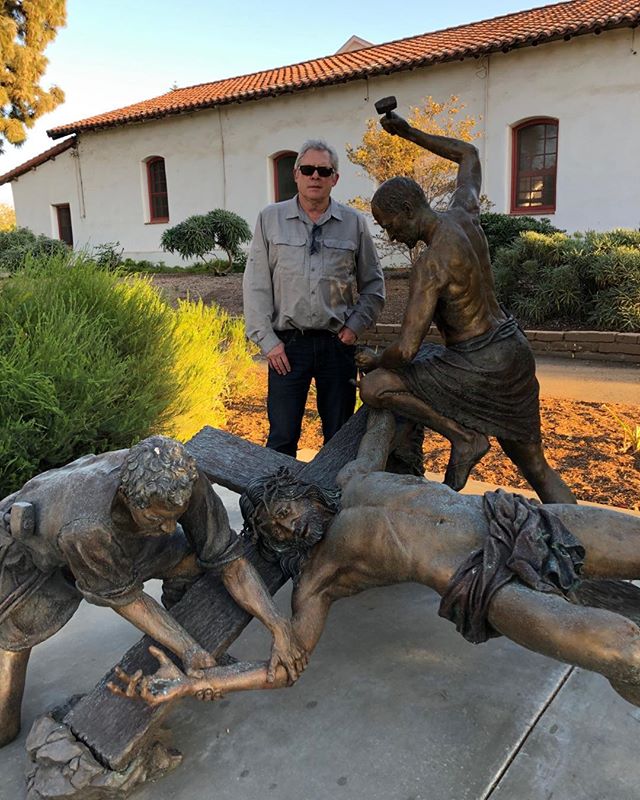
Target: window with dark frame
x: 65, y: 231
x: 535, y: 160
x: 158, y: 195
x: 285, y: 186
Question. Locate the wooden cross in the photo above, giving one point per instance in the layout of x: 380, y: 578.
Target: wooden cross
x: 117, y: 729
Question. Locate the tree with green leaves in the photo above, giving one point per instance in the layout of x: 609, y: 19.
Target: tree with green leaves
x: 200, y: 235
x: 26, y: 28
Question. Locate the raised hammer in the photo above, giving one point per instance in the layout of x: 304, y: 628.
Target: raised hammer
x: 386, y: 105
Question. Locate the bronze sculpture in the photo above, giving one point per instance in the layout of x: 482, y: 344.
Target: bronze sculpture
x: 482, y: 381
x: 502, y: 565
x: 98, y: 528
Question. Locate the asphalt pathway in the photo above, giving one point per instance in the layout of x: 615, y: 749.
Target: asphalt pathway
x: 591, y: 381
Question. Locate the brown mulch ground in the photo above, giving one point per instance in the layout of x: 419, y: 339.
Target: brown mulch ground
x: 582, y: 440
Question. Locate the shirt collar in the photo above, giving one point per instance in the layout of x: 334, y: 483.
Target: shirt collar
x: 293, y: 210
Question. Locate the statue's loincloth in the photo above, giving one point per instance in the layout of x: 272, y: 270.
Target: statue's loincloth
x: 487, y: 383
x: 525, y: 542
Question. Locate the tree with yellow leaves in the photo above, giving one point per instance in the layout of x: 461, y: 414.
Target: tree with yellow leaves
x: 7, y: 217
x: 26, y: 28
x: 383, y: 156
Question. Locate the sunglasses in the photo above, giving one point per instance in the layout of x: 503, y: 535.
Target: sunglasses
x: 308, y: 169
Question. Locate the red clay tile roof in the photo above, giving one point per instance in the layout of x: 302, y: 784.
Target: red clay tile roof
x: 37, y: 160
x: 523, y: 29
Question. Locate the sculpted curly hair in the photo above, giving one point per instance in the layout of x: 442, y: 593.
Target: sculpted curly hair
x: 157, y: 467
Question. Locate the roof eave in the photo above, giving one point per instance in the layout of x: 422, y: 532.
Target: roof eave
x: 366, y: 72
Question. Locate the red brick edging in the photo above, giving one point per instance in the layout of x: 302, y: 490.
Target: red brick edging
x: 596, y: 345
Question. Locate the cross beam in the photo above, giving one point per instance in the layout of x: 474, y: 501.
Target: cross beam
x: 117, y: 729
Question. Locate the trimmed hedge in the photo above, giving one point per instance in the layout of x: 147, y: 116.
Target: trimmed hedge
x: 503, y: 230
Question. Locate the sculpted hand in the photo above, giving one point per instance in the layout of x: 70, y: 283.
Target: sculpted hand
x: 288, y: 652
x: 168, y: 683
x: 394, y: 124
x: 366, y: 359
x: 278, y: 360
x: 196, y: 659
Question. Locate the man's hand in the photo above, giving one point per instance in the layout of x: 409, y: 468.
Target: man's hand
x: 395, y: 125
x: 167, y: 684
x: 288, y: 653
x: 347, y: 336
x: 367, y: 360
x: 196, y: 659
x: 278, y: 360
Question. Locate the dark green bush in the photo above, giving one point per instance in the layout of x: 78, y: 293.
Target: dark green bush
x: 19, y: 245
x: 201, y: 234
x: 502, y: 230
x: 586, y: 280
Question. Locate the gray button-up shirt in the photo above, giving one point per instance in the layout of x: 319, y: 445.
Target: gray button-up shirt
x: 303, y: 275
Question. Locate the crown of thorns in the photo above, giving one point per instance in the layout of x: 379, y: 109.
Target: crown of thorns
x: 262, y: 492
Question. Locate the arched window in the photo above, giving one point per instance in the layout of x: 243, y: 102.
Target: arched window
x: 284, y: 185
x: 157, y: 184
x: 535, y: 161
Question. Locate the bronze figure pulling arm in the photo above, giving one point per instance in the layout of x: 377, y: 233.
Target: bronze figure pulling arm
x: 244, y: 585
x: 151, y: 618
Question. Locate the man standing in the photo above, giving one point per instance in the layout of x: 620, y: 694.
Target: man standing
x: 309, y: 259
x: 482, y: 381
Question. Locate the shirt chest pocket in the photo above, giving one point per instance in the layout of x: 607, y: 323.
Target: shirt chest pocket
x: 339, y: 258
x: 287, y: 254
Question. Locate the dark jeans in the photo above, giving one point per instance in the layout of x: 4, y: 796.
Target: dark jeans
x: 322, y: 356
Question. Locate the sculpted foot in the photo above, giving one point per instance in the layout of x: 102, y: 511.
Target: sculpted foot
x: 464, y: 456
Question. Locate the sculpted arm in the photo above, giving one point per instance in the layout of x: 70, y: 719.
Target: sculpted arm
x: 246, y: 587
x: 425, y: 286
x: 311, y: 601
x: 151, y: 618
x: 462, y: 153
x: 374, y: 447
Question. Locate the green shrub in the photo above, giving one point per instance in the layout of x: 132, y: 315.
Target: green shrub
x: 213, y: 363
x: 91, y: 362
x: 201, y: 234
x: 108, y: 255
x: 503, y: 229
x: 20, y: 245
x: 585, y: 280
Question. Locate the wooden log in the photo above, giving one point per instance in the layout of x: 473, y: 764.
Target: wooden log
x: 116, y: 728
x: 620, y: 597
x: 336, y: 453
x: 233, y: 462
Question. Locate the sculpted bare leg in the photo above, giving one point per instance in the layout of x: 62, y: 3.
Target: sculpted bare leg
x: 530, y: 460
x: 13, y: 671
x: 386, y: 389
x: 591, y: 638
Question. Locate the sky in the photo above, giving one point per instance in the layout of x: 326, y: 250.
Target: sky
x: 112, y: 54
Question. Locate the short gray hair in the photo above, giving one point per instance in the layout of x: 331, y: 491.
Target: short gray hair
x: 317, y: 144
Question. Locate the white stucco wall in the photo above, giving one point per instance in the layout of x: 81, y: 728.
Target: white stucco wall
x: 221, y: 158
